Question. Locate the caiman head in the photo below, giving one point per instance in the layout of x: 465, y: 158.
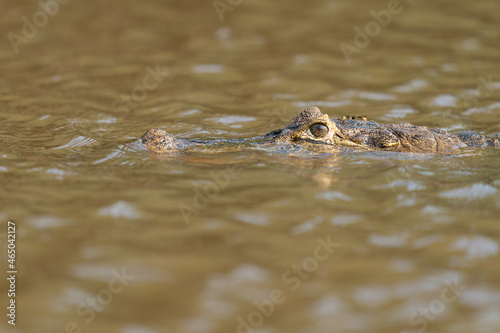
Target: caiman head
x: 310, y: 125
x: 315, y: 127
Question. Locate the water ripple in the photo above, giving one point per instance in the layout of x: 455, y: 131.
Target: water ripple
x: 444, y: 101
x: 388, y: 241
x: 120, y: 209
x: 208, y: 68
x: 77, y: 142
x: 307, y: 225
x: 476, y: 247
x: 330, y: 104
x: 333, y: 195
x: 474, y: 192
x: 413, y: 85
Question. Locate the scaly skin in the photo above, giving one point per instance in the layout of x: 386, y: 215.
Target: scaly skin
x: 313, y: 126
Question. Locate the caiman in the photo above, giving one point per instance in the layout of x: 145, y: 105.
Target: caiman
x: 315, y: 127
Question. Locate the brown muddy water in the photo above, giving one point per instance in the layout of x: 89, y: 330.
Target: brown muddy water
x: 113, y: 238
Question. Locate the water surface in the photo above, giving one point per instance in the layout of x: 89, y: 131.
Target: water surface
x: 114, y: 238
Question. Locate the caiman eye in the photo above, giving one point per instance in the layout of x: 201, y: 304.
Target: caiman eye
x: 319, y: 130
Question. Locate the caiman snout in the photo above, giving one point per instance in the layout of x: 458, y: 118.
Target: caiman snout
x: 158, y: 139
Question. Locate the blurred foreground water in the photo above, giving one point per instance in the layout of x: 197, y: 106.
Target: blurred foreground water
x: 113, y: 238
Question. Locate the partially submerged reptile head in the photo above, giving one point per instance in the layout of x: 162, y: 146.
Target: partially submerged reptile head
x: 315, y: 127
x: 310, y: 125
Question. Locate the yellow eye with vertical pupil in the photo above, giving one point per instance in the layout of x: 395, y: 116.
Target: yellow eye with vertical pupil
x: 319, y: 130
